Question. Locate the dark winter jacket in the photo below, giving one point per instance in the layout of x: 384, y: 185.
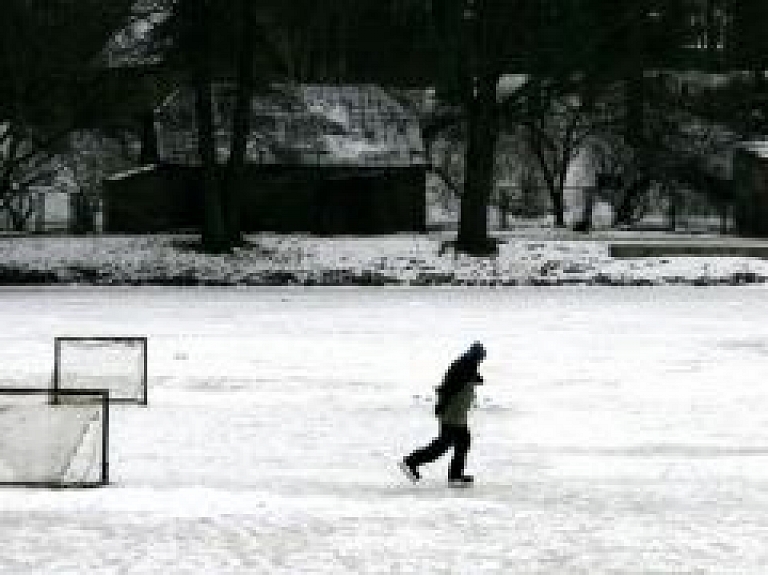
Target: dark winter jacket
x: 457, y: 392
x: 456, y: 409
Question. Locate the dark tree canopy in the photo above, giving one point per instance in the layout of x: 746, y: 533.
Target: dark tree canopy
x: 47, y: 50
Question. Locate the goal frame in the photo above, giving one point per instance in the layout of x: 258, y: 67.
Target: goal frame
x: 58, y: 341
x: 97, y: 396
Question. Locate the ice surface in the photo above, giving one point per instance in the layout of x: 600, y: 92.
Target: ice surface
x: 620, y: 430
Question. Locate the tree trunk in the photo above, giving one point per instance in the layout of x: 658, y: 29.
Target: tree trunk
x: 82, y: 214
x: 11, y: 203
x: 712, y: 35
x: 148, y: 154
x: 584, y: 224
x: 481, y: 146
x: 504, y: 217
x: 635, y: 104
x: 16, y: 209
x: 723, y: 209
x: 241, y: 124
x: 214, y: 236
x: 558, y: 205
x: 559, y: 198
x: 672, y: 211
x: 505, y: 207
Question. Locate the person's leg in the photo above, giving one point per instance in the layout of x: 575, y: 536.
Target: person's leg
x: 461, y: 440
x: 429, y: 453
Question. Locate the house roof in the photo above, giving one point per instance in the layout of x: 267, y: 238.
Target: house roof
x: 299, y: 124
x: 134, y: 44
x: 758, y: 148
x: 125, y: 174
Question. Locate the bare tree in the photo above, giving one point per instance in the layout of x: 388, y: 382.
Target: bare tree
x: 49, y: 86
x: 209, y: 41
x: 555, y: 135
x: 518, y: 189
x: 621, y: 178
x: 25, y: 162
x: 92, y: 156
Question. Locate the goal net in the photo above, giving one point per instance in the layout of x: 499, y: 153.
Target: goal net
x: 116, y: 364
x: 49, y: 441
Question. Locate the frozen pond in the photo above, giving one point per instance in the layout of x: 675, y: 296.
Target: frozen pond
x: 620, y: 430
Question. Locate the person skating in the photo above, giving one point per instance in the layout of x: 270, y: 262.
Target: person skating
x: 455, y: 397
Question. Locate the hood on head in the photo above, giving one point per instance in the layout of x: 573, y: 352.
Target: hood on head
x: 476, y: 351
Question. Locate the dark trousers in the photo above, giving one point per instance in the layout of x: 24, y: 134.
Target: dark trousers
x: 456, y: 436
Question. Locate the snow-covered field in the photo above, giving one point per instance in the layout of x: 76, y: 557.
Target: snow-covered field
x: 527, y: 257
x: 621, y: 430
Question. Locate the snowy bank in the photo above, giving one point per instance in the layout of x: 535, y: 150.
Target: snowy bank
x: 542, y: 258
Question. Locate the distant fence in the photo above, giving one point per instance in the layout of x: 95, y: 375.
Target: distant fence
x: 511, y: 206
x: 516, y: 207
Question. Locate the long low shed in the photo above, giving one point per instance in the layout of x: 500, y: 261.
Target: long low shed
x: 323, y: 159
x: 315, y: 199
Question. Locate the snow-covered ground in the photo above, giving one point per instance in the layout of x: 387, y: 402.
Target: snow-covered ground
x: 526, y: 257
x: 621, y: 430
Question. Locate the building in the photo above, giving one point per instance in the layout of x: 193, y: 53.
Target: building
x: 750, y: 179
x: 322, y: 159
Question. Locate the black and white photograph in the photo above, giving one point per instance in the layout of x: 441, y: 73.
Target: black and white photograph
x: 343, y: 287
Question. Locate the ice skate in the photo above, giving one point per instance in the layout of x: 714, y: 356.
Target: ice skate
x: 410, y: 471
x: 461, y: 481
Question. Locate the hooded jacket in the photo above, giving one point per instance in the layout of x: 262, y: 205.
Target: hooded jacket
x: 456, y: 394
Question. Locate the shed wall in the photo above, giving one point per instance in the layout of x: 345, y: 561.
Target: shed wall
x: 324, y: 200
x: 750, y: 173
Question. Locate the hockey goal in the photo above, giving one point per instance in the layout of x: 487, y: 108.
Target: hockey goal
x: 115, y: 364
x: 54, y: 442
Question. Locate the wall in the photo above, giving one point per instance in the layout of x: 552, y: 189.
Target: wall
x: 324, y: 200
x: 152, y: 200
x: 750, y: 176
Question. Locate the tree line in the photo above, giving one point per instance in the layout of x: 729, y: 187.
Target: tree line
x: 594, y: 74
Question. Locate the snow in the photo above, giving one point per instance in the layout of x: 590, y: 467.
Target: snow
x: 343, y: 147
x: 528, y: 257
x: 620, y: 430
x: 131, y: 172
x: 757, y: 147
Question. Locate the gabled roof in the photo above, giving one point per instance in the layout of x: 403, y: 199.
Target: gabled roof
x: 299, y: 124
x: 757, y: 148
x: 134, y: 45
